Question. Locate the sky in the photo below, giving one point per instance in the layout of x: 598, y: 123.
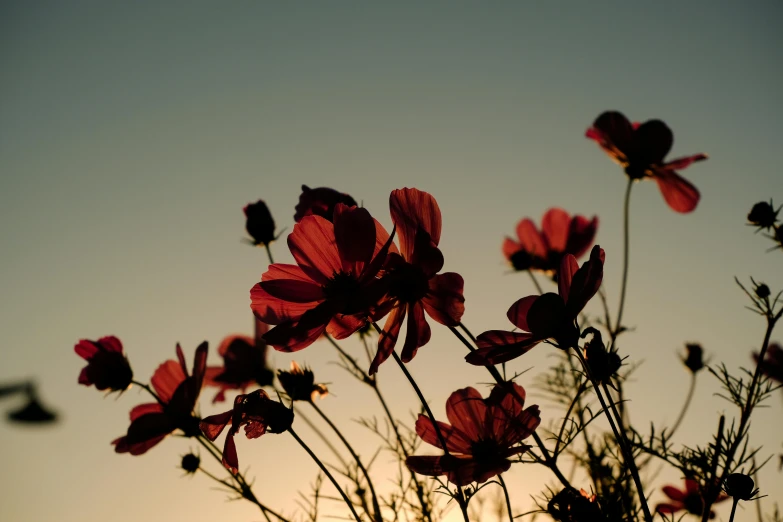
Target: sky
x: 132, y: 134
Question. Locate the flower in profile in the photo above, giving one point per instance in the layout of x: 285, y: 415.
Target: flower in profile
x: 640, y: 149
x: 411, y: 277
x: 603, y: 364
x: 688, y: 499
x: 300, y: 384
x: 177, y: 394
x: 482, y: 436
x: 335, y: 277
x: 694, y: 359
x: 244, y: 363
x: 257, y: 413
x: 190, y: 463
x: 259, y: 223
x: 548, y: 316
x: 570, y: 505
x: 763, y: 215
x: 543, y: 250
x: 740, y: 486
x: 320, y: 201
x: 107, y: 367
x: 772, y: 365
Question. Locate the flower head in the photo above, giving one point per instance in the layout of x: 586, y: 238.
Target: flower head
x: 190, y: 463
x: 570, y: 505
x: 257, y: 413
x: 740, y: 486
x: 107, y: 367
x: 688, y: 499
x: 335, y: 278
x: 320, y: 201
x: 772, y: 365
x: 300, y: 384
x: 561, y: 234
x: 244, y: 363
x: 548, y: 316
x: 603, y: 364
x: 259, y: 223
x: 640, y: 149
x: 694, y: 359
x: 482, y: 436
x: 763, y: 215
x: 411, y: 280
x: 177, y: 394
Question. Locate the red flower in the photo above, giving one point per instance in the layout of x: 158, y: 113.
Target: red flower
x: 412, y: 280
x: 177, y: 394
x: 107, y: 367
x: 547, y: 316
x: 640, y: 149
x: 335, y: 278
x: 561, y: 234
x: 257, y: 412
x: 688, y: 499
x: 320, y: 202
x: 259, y: 223
x: 772, y: 366
x: 482, y: 436
x: 244, y: 364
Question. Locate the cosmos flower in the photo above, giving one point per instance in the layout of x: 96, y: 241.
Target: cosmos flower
x: 334, y: 278
x: 300, y: 384
x: 320, y: 201
x: 688, y: 499
x: 107, y: 367
x: 547, y: 316
x: 177, y: 394
x: 543, y: 250
x: 482, y: 436
x: 244, y: 363
x: 411, y: 277
x: 640, y: 149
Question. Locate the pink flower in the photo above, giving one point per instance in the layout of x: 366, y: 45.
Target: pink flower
x: 107, y: 367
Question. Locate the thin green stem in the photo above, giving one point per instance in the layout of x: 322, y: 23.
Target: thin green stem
x: 626, y: 247
x: 535, y: 282
x: 508, y: 500
x: 269, y: 253
x: 375, y: 505
x: 327, y: 473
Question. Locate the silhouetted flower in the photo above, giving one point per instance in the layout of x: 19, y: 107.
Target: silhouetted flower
x: 259, y: 224
x: 762, y: 291
x: 561, y: 234
x: 547, y: 316
x: 191, y: 462
x: 177, y: 394
x: 257, y: 413
x: 244, y: 363
x: 763, y: 215
x: 482, y: 436
x: 772, y: 365
x: 740, y: 486
x: 107, y: 367
x: 32, y: 413
x: 694, y: 359
x: 570, y: 505
x: 640, y: 149
x: 335, y: 277
x: 688, y: 499
x: 320, y: 202
x: 603, y: 364
x: 300, y: 384
x: 412, y: 280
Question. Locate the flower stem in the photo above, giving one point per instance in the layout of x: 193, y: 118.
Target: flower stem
x: 733, y: 509
x: 375, y: 506
x: 687, y: 403
x: 535, y: 282
x: 327, y: 473
x: 299, y: 415
x: 626, y: 246
x: 508, y: 500
x: 269, y: 253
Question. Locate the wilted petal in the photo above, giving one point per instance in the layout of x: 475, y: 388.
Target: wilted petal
x: 213, y: 425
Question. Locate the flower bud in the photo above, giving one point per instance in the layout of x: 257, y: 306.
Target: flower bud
x: 694, y: 360
x: 740, y: 486
x: 259, y: 223
x: 191, y: 463
x: 300, y: 384
x: 603, y: 364
x: 320, y: 202
x: 763, y: 215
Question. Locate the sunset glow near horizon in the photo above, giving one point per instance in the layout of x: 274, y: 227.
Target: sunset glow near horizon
x: 131, y: 136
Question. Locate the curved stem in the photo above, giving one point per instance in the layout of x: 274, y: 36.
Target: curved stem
x: 578, y: 394
x: 626, y: 248
x: 375, y: 506
x: 508, y: 500
x: 269, y: 253
x: 327, y: 473
x: 298, y: 414
x: 535, y: 282
x: 467, y: 332
x: 685, y: 406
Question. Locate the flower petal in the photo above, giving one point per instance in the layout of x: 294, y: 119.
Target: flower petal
x: 444, y: 301
x: 586, y: 282
x: 673, y: 493
x: 273, y: 310
x: 555, y: 225
x: 498, y: 346
x: 517, y: 313
x: 530, y: 239
x: 213, y: 425
x: 354, y: 233
x: 679, y: 193
x: 565, y: 274
x: 313, y: 245
x: 683, y: 163
x: 456, y: 441
x: 654, y: 140
x: 412, y: 209
x: 388, y: 338
x: 581, y: 233
x: 167, y: 377
x: 545, y: 315
x: 418, y: 333
x: 466, y: 411
x: 510, y: 247
x: 614, y: 134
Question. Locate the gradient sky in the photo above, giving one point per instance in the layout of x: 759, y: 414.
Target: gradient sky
x: 132, y: 134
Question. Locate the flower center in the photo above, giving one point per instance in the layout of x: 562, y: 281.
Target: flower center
x: 694, y: 504
x: 636, y: 170
x: 521, y: 260
x: 345, y: 286
x: 409, y: 283
x: 485, y: 450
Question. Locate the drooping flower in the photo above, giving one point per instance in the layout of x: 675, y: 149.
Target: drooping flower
x: 482, y: 436
x: 177, y: 394
x: 244, y: 363
x: 300, y: 384
x: 688, y: 499
x: 411, y: 277
x: 640, y: 149
x: 320, y: 201
x: 334, y: 278
x: 257, y: 413
x: 772, y: 365
x: 107, y: 367
x: 259, y: 223
x: 548, y: 316
x: 543, y: 250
